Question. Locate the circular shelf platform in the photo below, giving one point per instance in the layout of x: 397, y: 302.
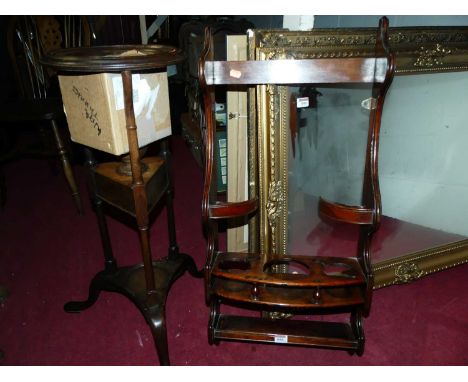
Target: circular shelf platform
x: 113, y: 58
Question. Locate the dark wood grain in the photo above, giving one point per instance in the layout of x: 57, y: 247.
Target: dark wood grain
x: 319, y: 71
x: 345, y: 213
x: 257, y: 271
x: 287, y: 299
x: 292, y: 332
x: 115, y: 58
x: 225, y: 210
x: 116, y: 189
x: 138, y: 186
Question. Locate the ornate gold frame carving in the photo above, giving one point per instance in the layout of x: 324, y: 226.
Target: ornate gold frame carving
x: 413, y: 266
x: 418, y: 50
x: 273, y: 180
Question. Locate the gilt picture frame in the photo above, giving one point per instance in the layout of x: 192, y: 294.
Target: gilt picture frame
x: 418, y: 50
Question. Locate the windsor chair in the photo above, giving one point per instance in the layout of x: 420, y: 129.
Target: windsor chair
x: 38, y: 107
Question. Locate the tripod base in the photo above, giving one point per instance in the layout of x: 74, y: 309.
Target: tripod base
x: 130, y: 282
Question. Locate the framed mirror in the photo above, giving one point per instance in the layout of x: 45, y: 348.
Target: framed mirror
x: 318, y: 150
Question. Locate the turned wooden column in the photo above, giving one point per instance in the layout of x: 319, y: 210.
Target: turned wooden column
x: 138, y: 187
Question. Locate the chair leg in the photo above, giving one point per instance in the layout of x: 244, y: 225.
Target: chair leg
x: 46, y: 145
x: 67, y: 167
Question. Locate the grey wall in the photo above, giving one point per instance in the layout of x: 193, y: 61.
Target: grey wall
x: 423, y: 151
x: 265, y: 22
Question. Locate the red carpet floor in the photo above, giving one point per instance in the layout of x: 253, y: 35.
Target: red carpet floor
x: 48, y: 255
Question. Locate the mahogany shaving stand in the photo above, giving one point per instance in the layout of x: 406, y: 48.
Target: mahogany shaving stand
x: 146, y: 284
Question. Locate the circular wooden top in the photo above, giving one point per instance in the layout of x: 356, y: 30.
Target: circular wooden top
x: 115, y: 58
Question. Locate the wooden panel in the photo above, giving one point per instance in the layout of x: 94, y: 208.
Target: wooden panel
x: 116, y: 189
x: 237, y: 162
x: 328, y: 334
x: 269, y: 297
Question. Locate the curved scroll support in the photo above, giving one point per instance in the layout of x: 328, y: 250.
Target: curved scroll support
x: 208, y: 100
x: 95, y: 289
x: 209, y: 185
x: 190, y: 265
x: 204, y: 56
x: 371, y: 190
x: 371, y: 197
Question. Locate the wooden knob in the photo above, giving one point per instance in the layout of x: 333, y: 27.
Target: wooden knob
x: 317, y: 296
x: 255, y: 294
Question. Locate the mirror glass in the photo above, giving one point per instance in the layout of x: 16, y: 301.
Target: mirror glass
x: 422, y: 160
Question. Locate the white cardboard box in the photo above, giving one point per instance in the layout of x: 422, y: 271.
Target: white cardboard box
x: 95, y: 109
